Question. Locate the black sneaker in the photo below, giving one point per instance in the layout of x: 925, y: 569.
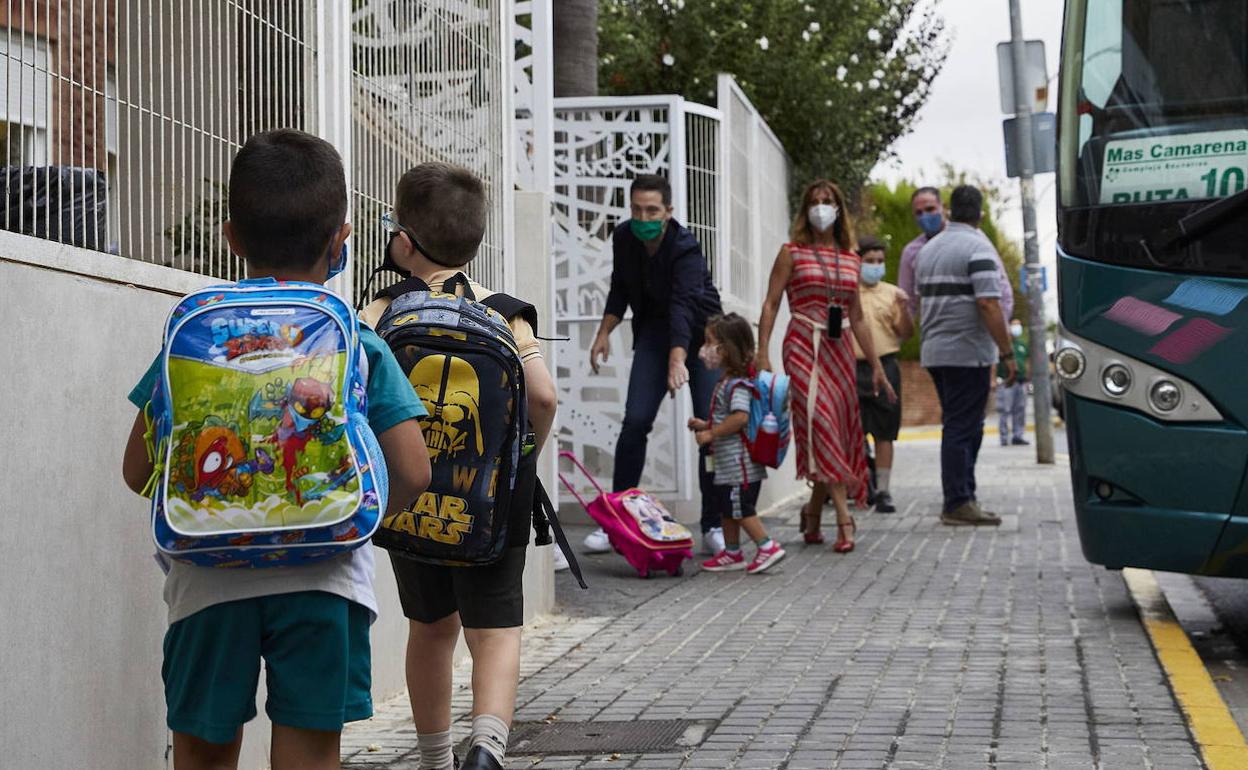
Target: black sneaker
x: 480, y: 759
x: 884, y: 502
x: 1021, y: 442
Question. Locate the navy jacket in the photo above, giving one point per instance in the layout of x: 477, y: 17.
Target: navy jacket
x: 671, y: 290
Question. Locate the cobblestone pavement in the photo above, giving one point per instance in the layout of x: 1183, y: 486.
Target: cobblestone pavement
x: 928, y: 647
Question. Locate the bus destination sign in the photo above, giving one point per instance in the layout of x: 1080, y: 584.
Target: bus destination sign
x: 1208, y: 164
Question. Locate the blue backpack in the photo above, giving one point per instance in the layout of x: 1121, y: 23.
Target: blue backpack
x: 261, y: 447
x: 768, y: 432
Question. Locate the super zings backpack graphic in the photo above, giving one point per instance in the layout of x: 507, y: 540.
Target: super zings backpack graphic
x: 260, y: 442
x: 461, y: 358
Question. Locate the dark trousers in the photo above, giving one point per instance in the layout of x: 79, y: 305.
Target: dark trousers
x: 963, y: 393
x: 647, y: 387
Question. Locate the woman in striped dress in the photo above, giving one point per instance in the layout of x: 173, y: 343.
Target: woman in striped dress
x: 818, y: 271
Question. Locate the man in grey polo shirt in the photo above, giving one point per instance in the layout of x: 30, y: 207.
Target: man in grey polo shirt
x: 963, y: 336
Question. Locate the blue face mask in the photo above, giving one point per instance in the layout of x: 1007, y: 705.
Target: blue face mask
x: 931, y: 223
x: 337, y: 267
x: 873, y: 273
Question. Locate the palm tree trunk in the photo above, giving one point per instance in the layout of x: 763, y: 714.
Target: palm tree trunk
x: 576, y: 47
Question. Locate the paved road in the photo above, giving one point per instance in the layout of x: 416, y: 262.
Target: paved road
x: 928, y: 647
x: 1214, y: 613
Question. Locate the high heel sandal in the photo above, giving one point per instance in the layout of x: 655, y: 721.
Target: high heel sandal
x: 811, y: 534
x: 845, y: 544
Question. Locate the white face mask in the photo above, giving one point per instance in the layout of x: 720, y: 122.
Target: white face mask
x: 1016, y: 330
x: 822, y: 216
x: 710, y: 356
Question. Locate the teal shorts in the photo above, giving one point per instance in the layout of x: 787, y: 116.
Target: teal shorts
x: 315, y: 647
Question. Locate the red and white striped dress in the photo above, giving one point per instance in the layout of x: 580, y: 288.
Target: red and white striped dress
x: 827, y: 426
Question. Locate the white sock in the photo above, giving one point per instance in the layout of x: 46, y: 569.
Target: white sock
x: 435, y: 750
x: 490, y: 733
x: 881, y: 478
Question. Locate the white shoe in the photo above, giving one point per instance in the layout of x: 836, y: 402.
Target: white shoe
x: 597, y: 542
x: 561, y: 561
x: 713, y: 541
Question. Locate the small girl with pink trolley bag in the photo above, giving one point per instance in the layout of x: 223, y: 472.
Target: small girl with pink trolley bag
x: 638, y: 526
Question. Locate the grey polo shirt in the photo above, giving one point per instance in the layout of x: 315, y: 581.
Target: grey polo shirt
x: 954, y: 269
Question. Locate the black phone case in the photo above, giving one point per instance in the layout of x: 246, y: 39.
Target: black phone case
x: 834, y: 321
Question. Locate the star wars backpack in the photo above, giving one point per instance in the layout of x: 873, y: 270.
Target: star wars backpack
x: 462, y: 360
x: 260, y: 443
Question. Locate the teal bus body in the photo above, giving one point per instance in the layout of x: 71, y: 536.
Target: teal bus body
x: 1179, y: 489
x: 1155, y: 485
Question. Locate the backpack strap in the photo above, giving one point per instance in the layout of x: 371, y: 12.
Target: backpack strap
x: 509, y: 307
x: 726, y: 390
x: 546, y: 521
x: 394, y: 291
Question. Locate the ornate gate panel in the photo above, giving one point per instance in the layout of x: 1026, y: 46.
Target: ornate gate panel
x: 601, y: 144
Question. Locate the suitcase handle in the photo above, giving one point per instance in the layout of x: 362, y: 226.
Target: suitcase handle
x: 584, y: 471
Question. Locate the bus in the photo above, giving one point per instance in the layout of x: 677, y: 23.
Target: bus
x: 1153, y: 280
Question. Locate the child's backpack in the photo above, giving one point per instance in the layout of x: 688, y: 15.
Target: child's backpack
x: 461, y: 358
x: 638, y: 527
x: 768, y: 432
x: 260, y: 442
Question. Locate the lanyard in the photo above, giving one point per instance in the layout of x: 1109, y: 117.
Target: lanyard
x: 827, y: 277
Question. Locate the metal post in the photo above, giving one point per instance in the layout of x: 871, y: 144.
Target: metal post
x: 1031, y: 247
x: 333, y: 104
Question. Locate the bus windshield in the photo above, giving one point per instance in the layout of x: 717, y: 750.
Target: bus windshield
x: 1154, y: 125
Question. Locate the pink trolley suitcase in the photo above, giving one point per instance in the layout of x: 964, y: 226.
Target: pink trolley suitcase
x: 639, y: 527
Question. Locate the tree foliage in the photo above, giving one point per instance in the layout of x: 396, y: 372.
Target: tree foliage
x: 887, y: 216
x: 837, y: 80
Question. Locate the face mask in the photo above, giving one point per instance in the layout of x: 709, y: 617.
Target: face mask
x: 337, y: 267
x: 822, y: 216
x: 1016, y: 330
x: 931, y: 223
x: 710, y: 356
x: 646, y: 231
x: 873, y: 273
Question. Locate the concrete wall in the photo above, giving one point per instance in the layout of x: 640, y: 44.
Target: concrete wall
x: 535, y: 283
x: 80, y: 644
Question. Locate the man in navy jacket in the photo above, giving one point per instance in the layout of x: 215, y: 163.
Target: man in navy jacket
x: 661, y: 274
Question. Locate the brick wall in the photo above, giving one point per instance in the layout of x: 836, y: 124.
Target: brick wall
x: 919, y: 405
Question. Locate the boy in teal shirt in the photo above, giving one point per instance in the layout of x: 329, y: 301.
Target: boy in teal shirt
x: 309, y: 623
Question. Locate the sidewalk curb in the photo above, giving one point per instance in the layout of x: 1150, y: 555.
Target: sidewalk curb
x: 1212, y: 726
x: 929, y: 432
x: 779, y: 507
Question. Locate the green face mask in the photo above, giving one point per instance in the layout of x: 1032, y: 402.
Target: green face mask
x: 646, y: 231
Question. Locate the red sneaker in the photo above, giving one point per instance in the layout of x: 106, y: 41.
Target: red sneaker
x: 765, y: 558
x: 724, y: 562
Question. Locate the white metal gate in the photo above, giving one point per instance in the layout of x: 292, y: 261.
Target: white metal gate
x: 121, y: 117
x: 600, y: 145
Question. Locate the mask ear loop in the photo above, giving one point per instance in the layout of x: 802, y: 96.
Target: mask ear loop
x: 387, y: 263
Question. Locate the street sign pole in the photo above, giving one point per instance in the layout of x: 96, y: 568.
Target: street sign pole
x: 1031, y: 247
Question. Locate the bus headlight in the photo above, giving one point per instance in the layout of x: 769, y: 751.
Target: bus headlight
x: 1070, y: 363
x: 1165, y: 396
x: 1116, y: 380
x: 1086, y: 370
